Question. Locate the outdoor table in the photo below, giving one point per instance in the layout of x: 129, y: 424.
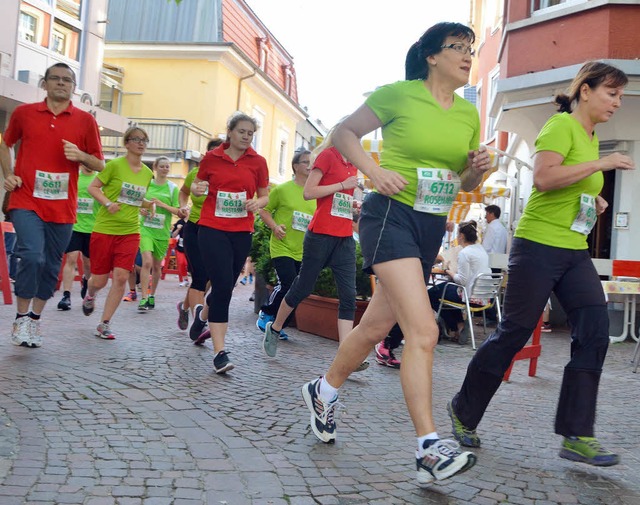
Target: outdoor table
x: 629, y: 289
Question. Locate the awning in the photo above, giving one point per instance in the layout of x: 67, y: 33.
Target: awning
x: 480, y: 195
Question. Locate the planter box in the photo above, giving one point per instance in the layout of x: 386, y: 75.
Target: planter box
x: 319, y: 315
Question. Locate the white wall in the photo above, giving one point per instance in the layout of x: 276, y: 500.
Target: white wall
x: 625, y: 244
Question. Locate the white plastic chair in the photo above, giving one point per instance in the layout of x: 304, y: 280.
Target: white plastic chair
x: 485, y: 287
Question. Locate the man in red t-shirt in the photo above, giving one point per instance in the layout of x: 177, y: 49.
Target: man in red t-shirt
x: 55, y: 138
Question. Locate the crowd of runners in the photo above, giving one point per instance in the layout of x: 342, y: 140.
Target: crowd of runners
x: 117, y: 216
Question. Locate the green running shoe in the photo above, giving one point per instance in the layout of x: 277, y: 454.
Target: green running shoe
x: 143, y: 305
x: 151, y: 302
x: 466, y: 437
x: 587, y: 450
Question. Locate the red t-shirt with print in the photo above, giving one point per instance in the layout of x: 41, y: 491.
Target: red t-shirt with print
x: 231, y: 183
x: 333, y: 214
x: 41, y: 158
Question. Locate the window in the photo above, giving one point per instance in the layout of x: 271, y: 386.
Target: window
x: 65, y: 40
x: 28, y: 27
x: 288, y: 78
x: 263, y: 52
x: 259, y: 116
x: 494, y: 77
x: 58, y: 42
x: 282, y: 158
x: 70, y: 7
x: 283, y: 149
x: 537, y: 5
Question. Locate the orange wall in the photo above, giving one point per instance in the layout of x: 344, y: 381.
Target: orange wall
x: 606, y: 32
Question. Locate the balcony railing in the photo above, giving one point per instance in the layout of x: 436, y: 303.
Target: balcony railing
x: 174, y: 138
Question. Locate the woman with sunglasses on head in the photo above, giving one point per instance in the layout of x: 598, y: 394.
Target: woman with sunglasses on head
x: 431, y: 151
x: 549, y: 253
x: 233, y: 173
x: 120, y: 189
x: 288, y: 216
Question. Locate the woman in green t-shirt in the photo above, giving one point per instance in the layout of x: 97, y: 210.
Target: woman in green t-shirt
x: 120, y: 190
x: 549, y: 253
x: 431, y: 150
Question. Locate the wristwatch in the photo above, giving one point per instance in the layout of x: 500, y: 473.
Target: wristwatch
x: 108, y: 204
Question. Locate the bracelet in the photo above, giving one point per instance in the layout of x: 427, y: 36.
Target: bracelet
x: 342, y: 186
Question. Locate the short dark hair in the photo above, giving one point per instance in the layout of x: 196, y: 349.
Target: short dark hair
x: 299, y: 153
x: 213, y: 143
x: 430, y: 43
x: 59, y: 65
x: 493, y: 209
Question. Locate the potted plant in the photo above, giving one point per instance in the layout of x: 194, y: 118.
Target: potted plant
x: 266, y: 277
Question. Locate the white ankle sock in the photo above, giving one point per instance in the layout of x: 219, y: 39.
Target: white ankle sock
x: 421, y: 442
x: 326, y: 391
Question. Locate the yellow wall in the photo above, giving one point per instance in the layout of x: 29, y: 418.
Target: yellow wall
x: 203, y: 93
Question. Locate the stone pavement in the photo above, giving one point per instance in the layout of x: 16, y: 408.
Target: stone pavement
x: 143, y: 420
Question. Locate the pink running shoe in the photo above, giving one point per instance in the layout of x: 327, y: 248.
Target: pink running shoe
x: 385, y: 356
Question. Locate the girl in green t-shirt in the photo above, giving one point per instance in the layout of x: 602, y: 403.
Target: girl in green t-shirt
x: 120, y: 189
x: 155, y: 230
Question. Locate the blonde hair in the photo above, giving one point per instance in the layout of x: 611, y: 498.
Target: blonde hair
x: 127, y: 135
x: 327, y: 141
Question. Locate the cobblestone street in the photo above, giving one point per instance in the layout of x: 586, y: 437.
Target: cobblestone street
x: 143, y: 420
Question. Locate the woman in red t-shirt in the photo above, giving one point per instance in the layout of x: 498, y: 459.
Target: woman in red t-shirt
x: 231, y: 175
x: 328, y: 242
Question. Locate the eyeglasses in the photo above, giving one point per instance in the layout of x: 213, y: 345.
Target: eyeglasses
x: 305, y: 162
x: 460, y: 48
x: 57, y: 78
x: 138, y: 140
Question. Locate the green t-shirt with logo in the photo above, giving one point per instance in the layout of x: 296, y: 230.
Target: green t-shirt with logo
x: 419, y: 133
x: 87, y: 206
x: 548, y: 216
x: 288, y: 207
x: 196, y: 201
x: 159, y: 226
x: 128, y: 189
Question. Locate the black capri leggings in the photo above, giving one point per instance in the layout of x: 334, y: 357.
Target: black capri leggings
x: 194, y: 258
x: 225, y: 253
x: 320, y: 251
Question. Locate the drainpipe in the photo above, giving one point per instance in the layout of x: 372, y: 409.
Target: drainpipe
x: 240, y: 86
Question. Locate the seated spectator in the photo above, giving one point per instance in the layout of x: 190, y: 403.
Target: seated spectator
x: 472, y: 260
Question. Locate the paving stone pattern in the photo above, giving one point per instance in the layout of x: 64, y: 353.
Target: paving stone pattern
x: 143, y: 420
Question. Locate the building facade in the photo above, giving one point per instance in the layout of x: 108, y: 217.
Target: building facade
x: 181, y: 70
x: 542, y: 45
x: 38, y: 33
